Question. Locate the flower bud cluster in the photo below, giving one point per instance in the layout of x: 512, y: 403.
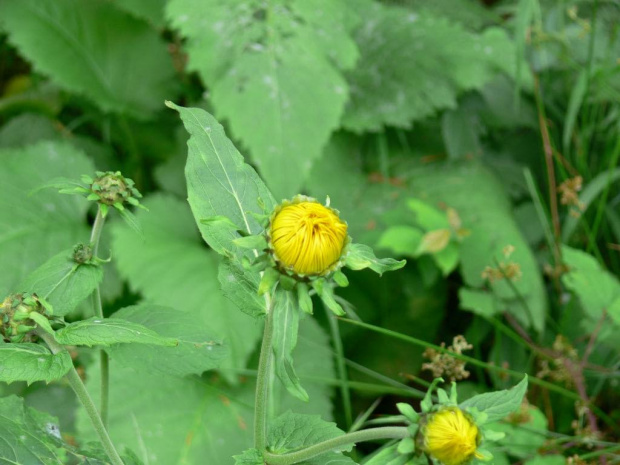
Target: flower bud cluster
x: 18, y: 316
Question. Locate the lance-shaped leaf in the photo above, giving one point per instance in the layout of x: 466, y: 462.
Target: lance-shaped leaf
x: 219, y: 183
x: 285, y: 328
x: 31, y: 362
x: 197, y: 350
x: 361, y: 256
x: 85, y: 48
x: 63, y: 282
x: 108, y: 331
x: 273, y: 71
x: 172, y: 267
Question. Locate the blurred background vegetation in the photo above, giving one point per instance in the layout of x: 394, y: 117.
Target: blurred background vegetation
x: 479, y: 140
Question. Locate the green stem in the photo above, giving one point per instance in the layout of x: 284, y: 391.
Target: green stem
x: 261, y: 401
x: 87, y: 402
x: 104, y: 363
x: 388, y: 432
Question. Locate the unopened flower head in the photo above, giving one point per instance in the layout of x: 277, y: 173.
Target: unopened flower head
x: 450, y: 436
x: 16, y: 321
x: 306, y: 237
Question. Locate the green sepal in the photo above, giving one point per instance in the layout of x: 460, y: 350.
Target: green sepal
x: 104, y: 209
x: 92, y: 197
x: 408, y: 411
x: 427, y: 402
x: 360, y: 256
x: 287, y: 282
x: 453, y: 393
x: 23, y: 329
x: 491, y: 435
x: 341, y: 279
x: 412, y: 429
x: 443, y: 396
x: 42, y: 322
x: 326, y: 292
x: 485, y: 455
x: 304, y: 299
x: 251, y: 242
x: 406, y: 446
x: 269, y: 279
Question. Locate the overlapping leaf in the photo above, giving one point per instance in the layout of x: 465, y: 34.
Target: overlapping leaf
x: 31, y: 362
x: 45, y: 222
x: 401, y: 74
x: 172, y: 267
x: 195, y: 352
x: 92, y: 48
x: 63, y: 282
x: 273, y: 71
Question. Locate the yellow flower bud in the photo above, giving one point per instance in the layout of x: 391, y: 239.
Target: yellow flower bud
x: 451, y: 436
x: 306, y: 237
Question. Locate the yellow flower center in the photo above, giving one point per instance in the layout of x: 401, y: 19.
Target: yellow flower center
x: 451, y: 437
x: 308, y: 237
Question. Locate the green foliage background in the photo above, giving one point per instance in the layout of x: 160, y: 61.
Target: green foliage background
x: 441, y: 130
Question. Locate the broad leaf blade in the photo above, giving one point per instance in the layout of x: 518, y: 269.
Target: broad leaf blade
x: 85, y: 47
x: 63, y: 282
x: 32, y: 362
x: 45, y: 222
x: 172, y: 267
x: 293, y: 431
x: 276, y: 80
x: 109, y: 331
x: 197, y: 350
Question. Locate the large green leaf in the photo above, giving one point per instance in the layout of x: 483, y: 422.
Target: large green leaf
x: 401, y: 75
x: 34, y: 438
x: 92, y: 48
x: 32, y: 362
x: 151, y: 10
x: 175, y: 420
x: 109, y: 331
x: 172, y: 267
x: 197, y: 351
x: 497, y: 405
x: 485, y: 210
x: 219, y: 183
x: 63, y: 282
x: 595, y: 287
x: 291, y: 431
x: 273, y: 71
x: 45, y: 222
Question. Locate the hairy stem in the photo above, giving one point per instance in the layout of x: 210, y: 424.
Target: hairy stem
x: 387, y: 432
x: 87, y: 402
x: 261, y: 400
x: 95, y: 235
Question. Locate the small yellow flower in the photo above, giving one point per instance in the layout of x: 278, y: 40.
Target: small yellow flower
x: 307, y: 237
x: 451, y: 437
